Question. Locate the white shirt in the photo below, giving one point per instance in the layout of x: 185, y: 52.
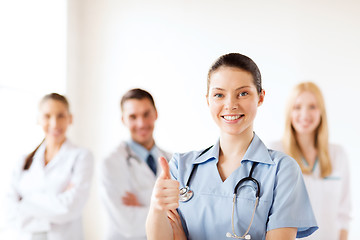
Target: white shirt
x: 126, y: 171
x: 47, y: 202
x: 330, y: 196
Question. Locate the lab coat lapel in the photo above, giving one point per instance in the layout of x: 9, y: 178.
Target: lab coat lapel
x: 58, y: 156
x: 140, y: 168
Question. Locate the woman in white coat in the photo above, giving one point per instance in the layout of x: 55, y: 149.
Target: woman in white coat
x: 325, y: 166
x: 51, y: 185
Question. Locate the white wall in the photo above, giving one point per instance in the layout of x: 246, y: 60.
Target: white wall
x: 32, y: 64
x: 167, y: 47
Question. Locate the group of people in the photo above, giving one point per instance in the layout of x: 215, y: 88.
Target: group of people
x: 237, y: 188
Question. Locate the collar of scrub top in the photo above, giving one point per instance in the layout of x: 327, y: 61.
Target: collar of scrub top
x: 256, y: 152
x: 142, y: 152
x: 307, y: 164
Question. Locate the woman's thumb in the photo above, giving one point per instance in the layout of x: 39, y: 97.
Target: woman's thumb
x: 165, y: 174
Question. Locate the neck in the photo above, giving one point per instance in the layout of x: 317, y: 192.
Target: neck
x: 148, y: 145
x: 306, y: 141
x: 234, y: 146
x: 52, y: 147
x: 307, y: 146
x: 232, y: 151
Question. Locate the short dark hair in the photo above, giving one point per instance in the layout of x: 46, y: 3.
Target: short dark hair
x: 240, y: 61
x: 136, y: 93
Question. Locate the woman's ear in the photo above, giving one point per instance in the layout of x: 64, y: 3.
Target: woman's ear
x: 207, y: 99
x: 261, y: 97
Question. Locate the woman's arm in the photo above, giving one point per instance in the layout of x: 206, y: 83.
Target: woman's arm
x: 344, y: 210
x: 165, y: 197
x: 343, y: 234
x: 68, y: 205
x: 281, y: 234
x: 176, y: 225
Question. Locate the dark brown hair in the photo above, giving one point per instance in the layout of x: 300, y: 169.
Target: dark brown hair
x: 51, y: 96
x: 136, y: 93
x: 240, y: 61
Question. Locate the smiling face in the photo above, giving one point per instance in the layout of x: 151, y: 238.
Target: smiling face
x: 306, y: 114
x: 233, y: 100
x: 139, y: 116
x: 54, y: 119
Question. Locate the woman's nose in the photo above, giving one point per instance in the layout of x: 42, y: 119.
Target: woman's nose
x: 231, y: 103
x: 53, y: 122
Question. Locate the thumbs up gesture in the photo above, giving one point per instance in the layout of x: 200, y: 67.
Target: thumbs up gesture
x: 165, y: 195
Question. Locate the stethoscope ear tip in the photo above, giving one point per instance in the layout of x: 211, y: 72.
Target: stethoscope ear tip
x: 228, y: 235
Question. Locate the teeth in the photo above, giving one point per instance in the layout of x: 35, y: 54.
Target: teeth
x: 232, y: 118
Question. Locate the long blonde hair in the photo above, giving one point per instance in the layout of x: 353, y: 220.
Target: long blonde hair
x: 289, y: 142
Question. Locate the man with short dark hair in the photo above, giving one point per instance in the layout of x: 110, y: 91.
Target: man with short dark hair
x: 129, y: 173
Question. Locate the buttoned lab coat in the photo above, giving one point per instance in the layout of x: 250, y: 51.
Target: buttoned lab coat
x: 124, y: 171
x: 47, y: 202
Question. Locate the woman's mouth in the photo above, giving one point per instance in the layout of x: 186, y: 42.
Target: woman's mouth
x: 232, y: 117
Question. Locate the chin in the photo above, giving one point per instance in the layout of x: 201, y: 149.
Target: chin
x: 305, y: 131
x: 57, y: 138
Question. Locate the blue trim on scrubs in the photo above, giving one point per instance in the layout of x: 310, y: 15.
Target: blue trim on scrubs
x: 307, y: 164
x: 283, y: 198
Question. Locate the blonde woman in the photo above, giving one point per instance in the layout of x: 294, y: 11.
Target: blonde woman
x: 324, y: 166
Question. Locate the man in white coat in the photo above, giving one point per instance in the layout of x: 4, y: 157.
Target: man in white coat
x: 128, y: 175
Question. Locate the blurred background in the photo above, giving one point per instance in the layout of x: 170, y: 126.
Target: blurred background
x: 94, y: 51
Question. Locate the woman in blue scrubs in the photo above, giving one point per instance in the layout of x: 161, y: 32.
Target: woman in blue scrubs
x: 227, y: 178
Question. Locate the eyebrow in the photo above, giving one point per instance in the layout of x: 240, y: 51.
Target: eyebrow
x: 221, y: 89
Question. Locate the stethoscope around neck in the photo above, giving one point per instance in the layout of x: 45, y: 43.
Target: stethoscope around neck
x: 186, y: 194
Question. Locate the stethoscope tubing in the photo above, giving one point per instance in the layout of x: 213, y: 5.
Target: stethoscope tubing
x: 186, y: 194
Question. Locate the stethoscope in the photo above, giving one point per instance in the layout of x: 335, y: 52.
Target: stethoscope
x: 186, y: 194
x: 129, y: 155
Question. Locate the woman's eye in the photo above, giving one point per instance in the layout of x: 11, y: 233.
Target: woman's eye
x: 312, y: 107
x: 218, y: 95
x: 242, y: 94
x: 297, y: 107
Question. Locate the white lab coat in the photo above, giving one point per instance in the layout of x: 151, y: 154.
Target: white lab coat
x: 119, y: 174
x: 330, y: 197
x: 47, y: 205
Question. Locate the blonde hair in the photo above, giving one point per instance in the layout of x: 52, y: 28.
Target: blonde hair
x: 289, y: 142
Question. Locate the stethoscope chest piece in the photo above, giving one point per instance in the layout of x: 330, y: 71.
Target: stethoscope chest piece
x: 185, y: 194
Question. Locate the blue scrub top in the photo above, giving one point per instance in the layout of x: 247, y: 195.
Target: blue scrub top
x: 283, y: 202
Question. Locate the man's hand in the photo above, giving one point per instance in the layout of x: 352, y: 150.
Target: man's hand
x: 130, y: 199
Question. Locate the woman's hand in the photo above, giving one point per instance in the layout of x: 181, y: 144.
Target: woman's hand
x: 164, y: 198
x: 166, y: 190
x: 176, y: 225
